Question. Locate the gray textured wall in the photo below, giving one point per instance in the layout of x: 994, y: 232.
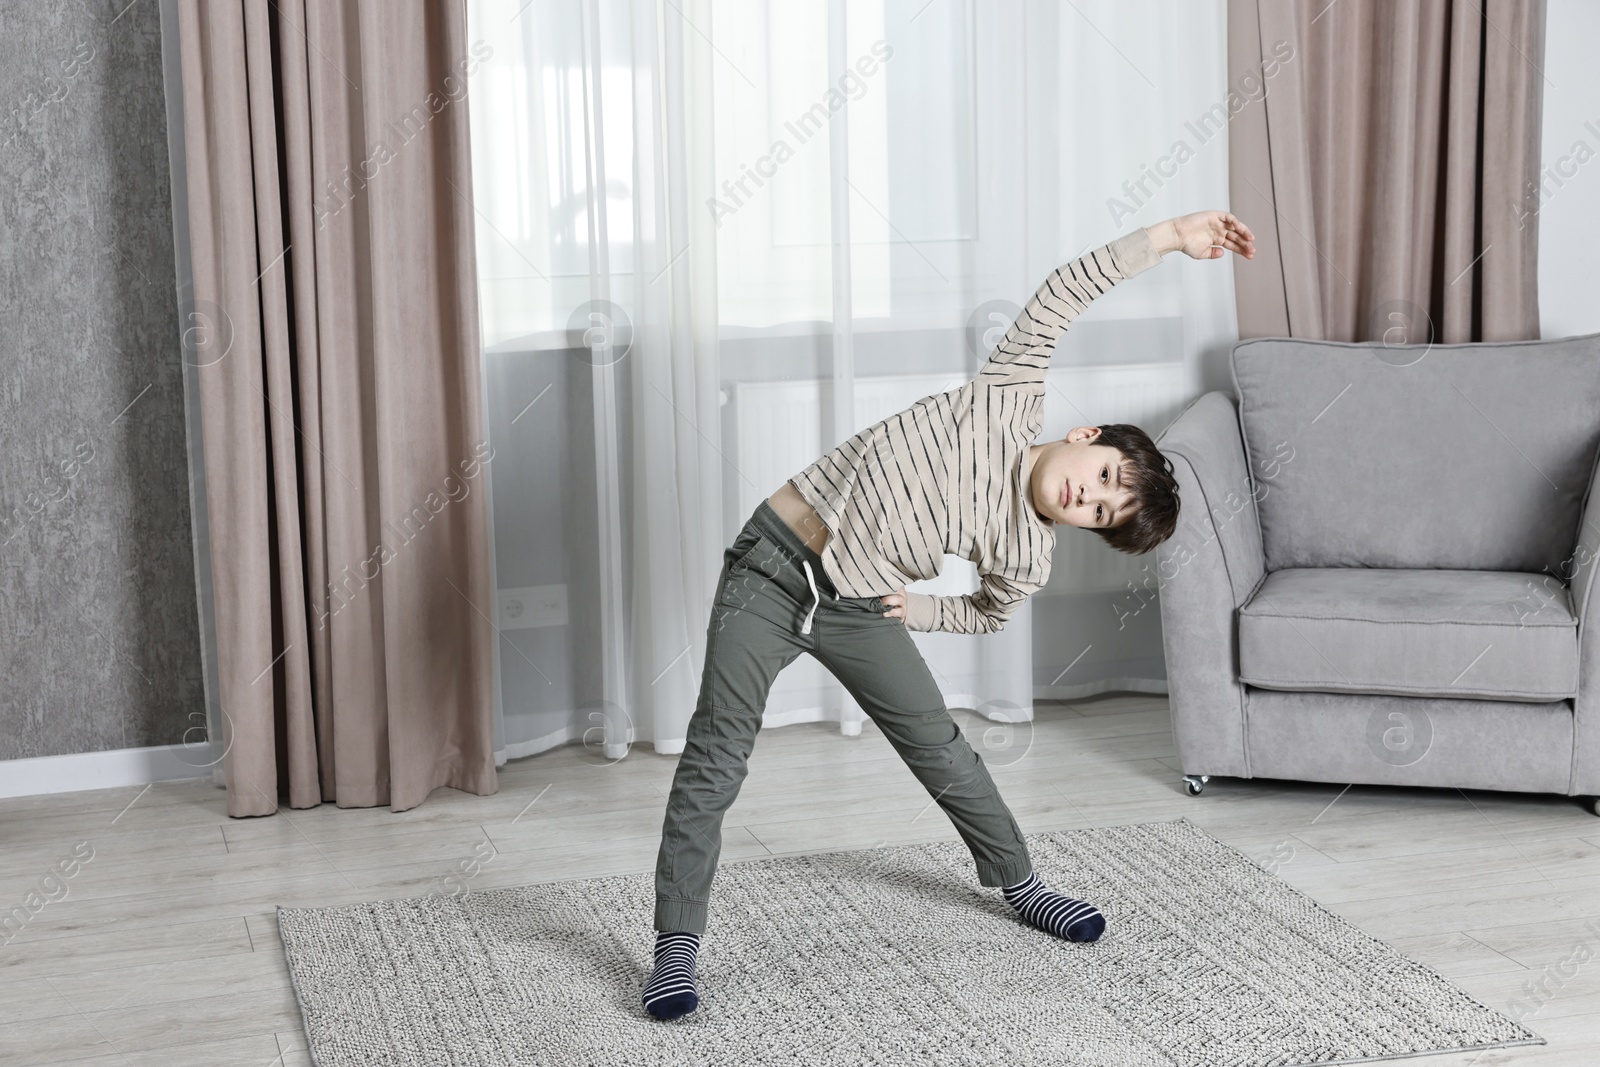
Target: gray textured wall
x: 99, y: 647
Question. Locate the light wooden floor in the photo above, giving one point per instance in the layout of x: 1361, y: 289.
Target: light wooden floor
x: 164, y: 952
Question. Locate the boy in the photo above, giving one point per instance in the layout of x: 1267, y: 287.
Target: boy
x: 820, y: 567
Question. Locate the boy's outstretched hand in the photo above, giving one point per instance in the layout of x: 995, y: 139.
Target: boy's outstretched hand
x: 1204, y: 235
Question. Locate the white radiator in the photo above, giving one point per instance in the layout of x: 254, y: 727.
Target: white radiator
x: 779, y: 433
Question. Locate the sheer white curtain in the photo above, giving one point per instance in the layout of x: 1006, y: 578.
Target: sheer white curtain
x: 718, y: 237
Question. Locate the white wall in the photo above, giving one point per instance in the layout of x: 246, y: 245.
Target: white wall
x: 1569, y: 197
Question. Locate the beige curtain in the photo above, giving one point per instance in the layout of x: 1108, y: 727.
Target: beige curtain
x: 335, y: 322
x: 1389, y: 171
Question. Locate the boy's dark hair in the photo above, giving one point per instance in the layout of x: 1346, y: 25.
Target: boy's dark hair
x: 1148, y: 475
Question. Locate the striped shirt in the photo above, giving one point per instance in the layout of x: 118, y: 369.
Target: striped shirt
x: 945, y: 475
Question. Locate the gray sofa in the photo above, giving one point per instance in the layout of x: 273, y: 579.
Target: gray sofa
x: 1385, y: 565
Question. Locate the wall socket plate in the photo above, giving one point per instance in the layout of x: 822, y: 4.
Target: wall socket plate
x: 531, y: 606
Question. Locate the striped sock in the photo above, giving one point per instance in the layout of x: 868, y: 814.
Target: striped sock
x: 1075, y: 920
x: 671, y: 989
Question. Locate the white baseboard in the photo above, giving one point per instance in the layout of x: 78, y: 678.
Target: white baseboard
x: 111, y: 769
x: 1105, y: 685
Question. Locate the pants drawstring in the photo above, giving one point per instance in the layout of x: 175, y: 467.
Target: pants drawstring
x: 816, y: 598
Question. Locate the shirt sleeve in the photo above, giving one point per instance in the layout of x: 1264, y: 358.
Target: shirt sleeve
x: 985, y: 611
x: 1023, y: 354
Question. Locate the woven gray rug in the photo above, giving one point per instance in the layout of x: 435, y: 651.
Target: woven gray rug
x: 888, y: 956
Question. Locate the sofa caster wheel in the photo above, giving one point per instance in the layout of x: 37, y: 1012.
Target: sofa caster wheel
x: 1194, y: 784
x: 1594, y: 805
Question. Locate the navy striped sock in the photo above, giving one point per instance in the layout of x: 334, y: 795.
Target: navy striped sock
x: 1075, y: 920
x: 671, y: 989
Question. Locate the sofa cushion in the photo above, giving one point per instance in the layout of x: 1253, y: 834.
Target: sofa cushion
x: 1487, y: 635
x: 1471, y: 456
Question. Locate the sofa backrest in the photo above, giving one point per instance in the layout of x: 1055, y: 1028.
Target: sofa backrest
x: 1465, y: 456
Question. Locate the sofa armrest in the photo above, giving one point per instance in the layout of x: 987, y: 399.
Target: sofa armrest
x: 1579, y: 570
x: 1207, y: 570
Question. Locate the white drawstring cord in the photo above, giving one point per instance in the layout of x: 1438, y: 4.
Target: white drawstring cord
x: 816, y: 598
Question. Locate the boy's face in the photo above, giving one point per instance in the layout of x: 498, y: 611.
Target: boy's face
x: 1076, y: 482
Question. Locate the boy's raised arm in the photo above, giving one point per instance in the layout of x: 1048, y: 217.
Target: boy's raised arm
x: 1023, y: 354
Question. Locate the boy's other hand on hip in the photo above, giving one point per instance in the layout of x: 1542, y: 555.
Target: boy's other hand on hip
x: 896, y: 603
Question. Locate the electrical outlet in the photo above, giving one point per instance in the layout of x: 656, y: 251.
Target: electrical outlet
x: 530, y: 606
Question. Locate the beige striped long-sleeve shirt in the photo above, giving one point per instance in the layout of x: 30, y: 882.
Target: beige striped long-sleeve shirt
x: 945, y: 475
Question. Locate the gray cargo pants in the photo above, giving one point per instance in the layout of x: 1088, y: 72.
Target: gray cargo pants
x: 773, y: 603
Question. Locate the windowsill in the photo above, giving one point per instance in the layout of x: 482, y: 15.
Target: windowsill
x: 560, y: 340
